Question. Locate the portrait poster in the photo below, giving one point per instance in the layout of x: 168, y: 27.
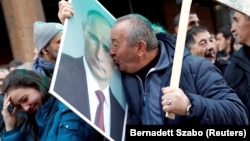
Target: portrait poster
x: 84, y: 65
x: 242, y: 6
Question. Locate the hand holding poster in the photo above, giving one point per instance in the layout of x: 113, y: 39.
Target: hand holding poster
x: 180, y: 43
x: 85, y: 70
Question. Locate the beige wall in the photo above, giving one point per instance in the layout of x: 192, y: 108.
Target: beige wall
x: 19, y: 17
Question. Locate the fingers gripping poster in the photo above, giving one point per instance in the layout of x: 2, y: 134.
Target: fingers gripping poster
x: 85, y: 68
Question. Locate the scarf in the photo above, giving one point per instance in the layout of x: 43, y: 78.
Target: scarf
x: 43, y: 67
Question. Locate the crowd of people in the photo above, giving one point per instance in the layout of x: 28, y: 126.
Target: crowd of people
x: 214, y: 85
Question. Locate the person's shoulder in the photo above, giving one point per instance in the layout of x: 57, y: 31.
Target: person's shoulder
x: 194, y: 58
x: 162, y: 35
x: 61, y: 106
x: 65, y: 112
x: 197, y: 62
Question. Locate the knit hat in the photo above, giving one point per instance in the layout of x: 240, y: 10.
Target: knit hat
x: 43, y: 33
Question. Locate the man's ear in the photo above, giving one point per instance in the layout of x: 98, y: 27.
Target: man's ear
x: 142, y: 47
x: 45, y: 50
x: 176, y: 29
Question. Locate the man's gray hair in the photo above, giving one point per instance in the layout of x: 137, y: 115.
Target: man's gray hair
x: 140, y: 29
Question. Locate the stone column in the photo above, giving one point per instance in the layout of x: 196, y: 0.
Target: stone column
x: 19, y: 17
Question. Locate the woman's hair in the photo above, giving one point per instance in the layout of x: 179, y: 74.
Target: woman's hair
x: 22, y: 78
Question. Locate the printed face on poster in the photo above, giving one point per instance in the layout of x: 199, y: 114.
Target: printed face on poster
x: 84, y: 66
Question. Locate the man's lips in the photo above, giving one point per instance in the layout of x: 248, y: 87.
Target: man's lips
x: 115, y: 61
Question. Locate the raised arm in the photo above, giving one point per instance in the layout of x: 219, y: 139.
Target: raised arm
x: 65, y: 10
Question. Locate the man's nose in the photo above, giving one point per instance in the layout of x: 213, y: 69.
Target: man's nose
x: 111, y: 51
x: 233, y: 27
x: 212, y: 44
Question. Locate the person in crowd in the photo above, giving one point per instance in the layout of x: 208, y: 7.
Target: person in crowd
x: 3, y: 73
x: 13, y: 64
x: 145, y: 59
x: 93, y: 71
x: 237, y: 73
x: 43, y: 34
x: 27, y: 91
x: 193, y: 20
x: 225, y: 47
x: 47, y: 38
x: 201, y: 43
x: 146, y: 62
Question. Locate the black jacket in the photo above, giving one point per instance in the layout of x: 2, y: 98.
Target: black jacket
x: 237, y: 74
